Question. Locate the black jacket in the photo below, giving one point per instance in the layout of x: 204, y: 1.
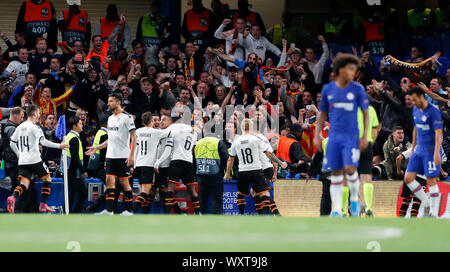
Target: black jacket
x: 8, y: 128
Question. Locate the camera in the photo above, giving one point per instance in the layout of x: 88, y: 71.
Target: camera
x: 96, y: 63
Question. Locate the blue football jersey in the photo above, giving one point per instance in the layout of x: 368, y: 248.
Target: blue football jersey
x: 426, y: 122
x: 342, y: 107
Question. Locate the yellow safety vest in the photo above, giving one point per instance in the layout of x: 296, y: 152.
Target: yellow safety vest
x: 98, y: 135
x: 277, y: 34
x: 69, y: 137
x: 419, y: 19
x: 207, y: 156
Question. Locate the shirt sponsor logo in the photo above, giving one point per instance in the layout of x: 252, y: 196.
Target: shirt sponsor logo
x: 345, y: 106
x: 423, y: 126
x: 113, y: 128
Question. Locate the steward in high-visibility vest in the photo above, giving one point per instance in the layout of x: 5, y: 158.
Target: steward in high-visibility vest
x: 418, y: 18
x: 97, y: 161
x: 76, y: 149
x: 278, y: 34
x: 151, y: 29
x: 76, y: 171
x: 74, y: 25
x: 207, y: 156
x: 211, y: 157
x: 374, y: 37
x: 283, y: 147
x: 196, y: 25
x: 37, y: 18
x: 76, y: 30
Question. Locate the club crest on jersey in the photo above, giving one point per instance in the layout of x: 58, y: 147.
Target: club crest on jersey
x: 350, y: 96
x: 424, y: 118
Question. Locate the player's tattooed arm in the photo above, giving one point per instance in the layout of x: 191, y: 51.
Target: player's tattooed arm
x: 274, y: 158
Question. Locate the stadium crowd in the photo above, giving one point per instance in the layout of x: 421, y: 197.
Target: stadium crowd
x: 229, y: 68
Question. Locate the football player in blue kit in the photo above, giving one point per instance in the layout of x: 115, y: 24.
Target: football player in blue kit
x: 340, y: 102
x: 426, y: 157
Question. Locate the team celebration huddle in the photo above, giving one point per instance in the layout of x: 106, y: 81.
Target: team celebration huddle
x: 172, y: 105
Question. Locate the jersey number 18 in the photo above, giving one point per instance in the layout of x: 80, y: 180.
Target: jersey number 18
x: 247, y: 156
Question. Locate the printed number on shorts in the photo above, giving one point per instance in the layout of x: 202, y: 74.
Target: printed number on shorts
x: 247, y: 156
x: 355, y: 155
x: 431, y: 166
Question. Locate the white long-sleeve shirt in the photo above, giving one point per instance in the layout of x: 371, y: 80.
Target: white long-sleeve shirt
x: 229, y: 41
x: 318, y: 67
x: 259, y: 46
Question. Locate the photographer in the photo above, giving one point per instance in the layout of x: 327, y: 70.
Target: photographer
x: 392, y: 148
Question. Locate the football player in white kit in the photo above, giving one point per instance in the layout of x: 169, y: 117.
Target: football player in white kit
x: 119, y: 155
x: 165, y: 150
x: 147, y: 139
x: 181, y: 166
x: 269, y: 168
x: 25, y: 144
x: 247, y: 148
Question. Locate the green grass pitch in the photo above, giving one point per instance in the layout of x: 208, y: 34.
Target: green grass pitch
x: 177, y: 233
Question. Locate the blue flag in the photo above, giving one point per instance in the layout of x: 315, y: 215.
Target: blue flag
x: 61, y: 127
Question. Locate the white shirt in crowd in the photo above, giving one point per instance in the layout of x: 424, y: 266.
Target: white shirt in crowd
x: 119, y: 127
x: 20, y: 69
x: 318, y: 68
x: 259, y: 47
x: 248, y: 149
x: 239, y: 53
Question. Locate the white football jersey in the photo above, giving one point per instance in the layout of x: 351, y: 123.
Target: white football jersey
x: 163, y: 143
x: 265, y: 161
x: 27, y: 137
x: 184, y: 140
x: 147, y: 139
x: 248, y: 149
x: 119, y: 127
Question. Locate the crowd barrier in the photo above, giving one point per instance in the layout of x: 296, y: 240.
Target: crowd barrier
x: 294, y: 197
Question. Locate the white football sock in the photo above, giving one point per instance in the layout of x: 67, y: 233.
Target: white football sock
x: 434, y: 200
x: 418, y: 191
x: 353, y: 185
x: 336, y: 191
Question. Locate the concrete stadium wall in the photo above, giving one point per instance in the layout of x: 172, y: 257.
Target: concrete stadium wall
x: 296, y: 198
